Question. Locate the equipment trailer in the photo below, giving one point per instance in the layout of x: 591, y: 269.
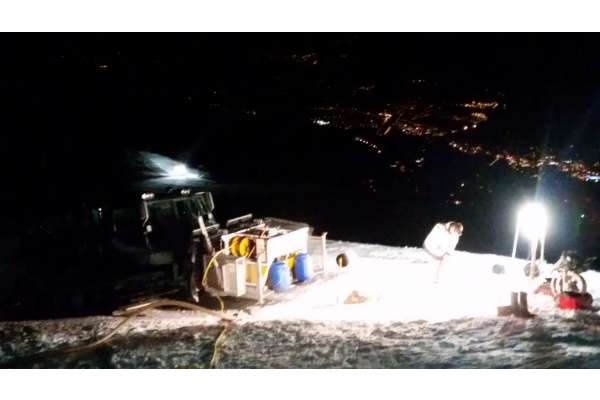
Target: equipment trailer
x: 159, y: 244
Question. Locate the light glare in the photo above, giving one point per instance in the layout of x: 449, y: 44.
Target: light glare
x: 180, y: 171
x: 533, y: 221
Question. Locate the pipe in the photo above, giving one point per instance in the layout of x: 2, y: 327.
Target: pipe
x: 129, y: 315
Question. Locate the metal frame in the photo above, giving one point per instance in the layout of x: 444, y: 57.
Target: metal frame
x: 533, y: 247
x: 268, y: 249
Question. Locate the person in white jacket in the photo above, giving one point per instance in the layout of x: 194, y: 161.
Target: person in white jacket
x: 441, y: 242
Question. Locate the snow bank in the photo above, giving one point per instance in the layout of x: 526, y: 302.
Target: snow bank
x: 384, y: 312
x: 396, y: 284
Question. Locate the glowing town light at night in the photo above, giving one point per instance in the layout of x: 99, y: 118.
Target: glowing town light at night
x: 593, y: 178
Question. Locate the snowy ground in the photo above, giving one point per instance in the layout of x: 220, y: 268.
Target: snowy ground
x: 383, y: 312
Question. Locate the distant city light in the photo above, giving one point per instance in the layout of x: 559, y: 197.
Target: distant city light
x: 479, y: 116
x: 533, y: 161
x: 321, y: 122
x: 405, y: 123
x: 481, y: 105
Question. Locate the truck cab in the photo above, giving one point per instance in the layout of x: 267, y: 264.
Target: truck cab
x: 169, y: 231
x: 128, y: 249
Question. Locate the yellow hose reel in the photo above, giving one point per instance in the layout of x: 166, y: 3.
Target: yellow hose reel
x: 241, y: 246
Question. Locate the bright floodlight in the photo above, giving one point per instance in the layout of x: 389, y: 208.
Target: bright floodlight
x: 180, y: 171
x: 533, y: 221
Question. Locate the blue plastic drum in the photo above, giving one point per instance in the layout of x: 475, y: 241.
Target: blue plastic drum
x: 303, y: 268
x: 280, y: 276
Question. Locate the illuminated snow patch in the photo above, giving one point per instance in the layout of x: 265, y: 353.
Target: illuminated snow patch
x: 388, y: 290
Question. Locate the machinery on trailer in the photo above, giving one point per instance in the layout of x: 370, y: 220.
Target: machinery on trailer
x: 249, y: 248
x: 151, y: 245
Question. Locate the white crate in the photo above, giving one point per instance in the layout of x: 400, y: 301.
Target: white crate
x: 234, y: 277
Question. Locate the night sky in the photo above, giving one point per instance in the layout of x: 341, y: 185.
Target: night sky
x: 81, y: 85
x: 75, y: 106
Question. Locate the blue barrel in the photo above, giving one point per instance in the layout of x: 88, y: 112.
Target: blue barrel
x: 303, y: 267
x: 280, y: 276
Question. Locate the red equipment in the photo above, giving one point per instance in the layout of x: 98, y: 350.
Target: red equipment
x: 574, y: 301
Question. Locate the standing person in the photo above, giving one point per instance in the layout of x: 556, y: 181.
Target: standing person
x: 441, y: 242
